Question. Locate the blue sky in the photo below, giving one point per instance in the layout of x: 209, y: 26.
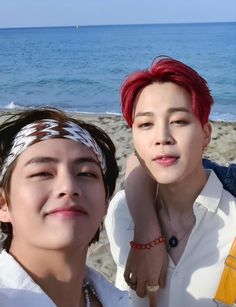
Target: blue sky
x: 27, y: 13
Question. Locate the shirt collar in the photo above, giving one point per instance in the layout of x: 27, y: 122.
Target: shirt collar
x: 14, y: 276
x: 105, y: 290
x: 211, y: 193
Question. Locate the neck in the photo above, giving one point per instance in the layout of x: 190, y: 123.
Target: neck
x: 59, y: 274
x: 179, y: 197
x: 175, y: 211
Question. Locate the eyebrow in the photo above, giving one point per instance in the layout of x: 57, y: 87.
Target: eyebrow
x: 170, y: 110
x: 44, y: 160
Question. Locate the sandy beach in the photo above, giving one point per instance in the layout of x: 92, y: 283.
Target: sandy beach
x: 222, y: 150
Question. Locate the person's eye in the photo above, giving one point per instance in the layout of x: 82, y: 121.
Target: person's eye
x: 41, y: 175
x: 179, y: 122
x: 145, y: 125
x: 88, y: 174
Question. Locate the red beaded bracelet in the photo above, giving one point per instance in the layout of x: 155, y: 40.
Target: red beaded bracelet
x: 153, y: 243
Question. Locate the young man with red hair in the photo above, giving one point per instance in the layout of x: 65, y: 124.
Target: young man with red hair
x: 167, y: 107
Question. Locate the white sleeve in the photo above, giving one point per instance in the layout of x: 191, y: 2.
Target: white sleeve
x: 120, y: 231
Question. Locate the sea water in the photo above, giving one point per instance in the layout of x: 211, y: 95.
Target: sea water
x: 82, y: 68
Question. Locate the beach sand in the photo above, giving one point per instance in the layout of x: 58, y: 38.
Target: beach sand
x: 222, y: 150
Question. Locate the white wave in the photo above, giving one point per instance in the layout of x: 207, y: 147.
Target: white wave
x: 224, y: 117
x: 12, y: 105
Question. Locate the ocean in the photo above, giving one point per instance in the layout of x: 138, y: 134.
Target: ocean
x: 81, y: 68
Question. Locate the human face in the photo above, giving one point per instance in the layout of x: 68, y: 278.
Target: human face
x: 167, y: 136
x: 57, y: 195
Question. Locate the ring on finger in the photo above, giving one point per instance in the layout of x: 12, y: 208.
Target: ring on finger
x: 152, y: 288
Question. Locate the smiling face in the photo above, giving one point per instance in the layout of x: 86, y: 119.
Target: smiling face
x: 167, y: 136
x: 57, y: 195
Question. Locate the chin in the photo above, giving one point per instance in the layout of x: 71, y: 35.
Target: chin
x: 70, y: 246
x: 166, y: 179
x: 67, y: 242
x: 166, y: 182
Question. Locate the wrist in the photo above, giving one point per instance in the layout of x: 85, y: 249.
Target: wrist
x: 148, y: 245
x: 146, y: 233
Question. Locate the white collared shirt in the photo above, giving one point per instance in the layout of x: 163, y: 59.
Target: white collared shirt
x: 194, y: 280
x: 17, y: 289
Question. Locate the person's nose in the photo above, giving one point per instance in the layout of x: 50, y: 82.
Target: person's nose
x: 67, y: 185
x: 163, y: 136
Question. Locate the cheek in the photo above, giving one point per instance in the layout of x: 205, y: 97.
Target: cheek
x: 140, y: 144
x: 24, y: 197
x: 25, y: 202
x: 192, y: 146
x: 98, y: 199
x: 191, y: 137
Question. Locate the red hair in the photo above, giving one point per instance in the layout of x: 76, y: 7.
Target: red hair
x: 168, y: 70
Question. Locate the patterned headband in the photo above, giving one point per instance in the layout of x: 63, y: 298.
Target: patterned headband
x: 48, y: 129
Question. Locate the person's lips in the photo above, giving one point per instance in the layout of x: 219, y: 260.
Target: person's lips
x: 166, y: 160
x: 67, y: 211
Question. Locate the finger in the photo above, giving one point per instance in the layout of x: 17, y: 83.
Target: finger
x: 141, y: 289
x: 152, y: 294
x: 162, y: 278
x: 127, y: 274
x: 153, y: 299
x: 131, y: 279
x: 133, y: 286
x: 153, y: 282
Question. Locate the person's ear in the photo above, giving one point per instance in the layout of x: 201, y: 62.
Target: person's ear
x: 206, y: 134
x: 4, y: 211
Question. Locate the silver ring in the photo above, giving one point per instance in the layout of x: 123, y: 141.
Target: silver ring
x: 152, y: 288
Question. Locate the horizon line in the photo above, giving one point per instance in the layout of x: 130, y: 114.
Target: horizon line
x: 105, y: 25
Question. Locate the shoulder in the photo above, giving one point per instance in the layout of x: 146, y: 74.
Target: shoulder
x: 213, y: 195
x: 106, y: 291
x: 16, y: 286
x: 118, y: 199
x: 118, y: 219
x: 118, y: 208
x: 216, y: 199
x: 226, y: 174
x: 12, y: 275
x: 8, y: 269
x: 119, y: 227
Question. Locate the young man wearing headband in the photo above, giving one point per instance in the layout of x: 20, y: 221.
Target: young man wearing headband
x: 57, y: 175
